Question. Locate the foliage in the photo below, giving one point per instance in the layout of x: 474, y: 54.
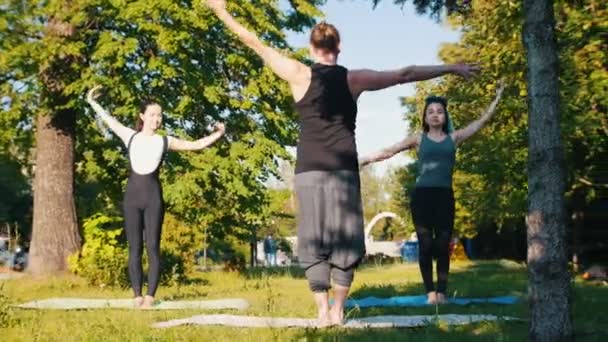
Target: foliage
x: 16, y: 201
x: 381, y: 194
x: 491, y: 182
x: 177, y: 53
x: 103, y: 258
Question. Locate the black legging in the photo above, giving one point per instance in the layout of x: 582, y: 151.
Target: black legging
x: 433, y: 216
x: 143, y: 213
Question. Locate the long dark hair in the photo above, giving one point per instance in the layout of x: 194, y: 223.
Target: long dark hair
x: 442, y: 101
x: 139, y: 123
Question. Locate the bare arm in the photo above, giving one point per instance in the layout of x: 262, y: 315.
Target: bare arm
x: 185, y: 145
x: 406, y: 144
x: 364, y: 79
x: 462, y: 134
x: 286, y: 68
x: 123, y: 132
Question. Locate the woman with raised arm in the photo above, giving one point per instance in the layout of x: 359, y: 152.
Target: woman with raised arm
x: 143, y: 205
x: 432, y: 201
x: 330, y: 221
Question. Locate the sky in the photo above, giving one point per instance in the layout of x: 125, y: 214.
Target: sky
x: 384, y: 38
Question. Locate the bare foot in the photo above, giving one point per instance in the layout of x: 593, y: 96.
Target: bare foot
x: 441, y: 298
x: 336, y: 316
x: 431, y: 298
x: 322, y: 301
x: 323, y: 319
x: 138, y: 301
x: 148, y: 302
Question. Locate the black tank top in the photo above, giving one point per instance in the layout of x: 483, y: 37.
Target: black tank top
x: 327, y: 115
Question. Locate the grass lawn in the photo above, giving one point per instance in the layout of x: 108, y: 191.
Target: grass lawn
x: 283, y: 292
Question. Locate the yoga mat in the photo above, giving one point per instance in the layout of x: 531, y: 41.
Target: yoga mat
x: 357, y: 323
x: 83, y: 303
x: 421, y: 301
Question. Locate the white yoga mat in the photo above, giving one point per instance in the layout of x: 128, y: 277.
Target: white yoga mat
x: 365, y: 322
x: 83, y: 303
x: 12, y: 275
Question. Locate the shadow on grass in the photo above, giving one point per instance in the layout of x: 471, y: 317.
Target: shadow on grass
x: 477, y: 280
x: 481, y: 279
x: 295, y: 272
x: 487, y: 279
x: 485, y: 331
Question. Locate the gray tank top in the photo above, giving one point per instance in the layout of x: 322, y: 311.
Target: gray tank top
x: 436, y: 162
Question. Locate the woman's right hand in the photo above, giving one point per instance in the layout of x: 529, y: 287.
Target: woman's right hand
x: 466, y: 70
x: 500, y: 88
x: 216, y: 5
x: 93, y: 94
x: 220, y: 127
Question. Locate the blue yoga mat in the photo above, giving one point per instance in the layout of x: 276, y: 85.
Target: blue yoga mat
x: 421, y: 301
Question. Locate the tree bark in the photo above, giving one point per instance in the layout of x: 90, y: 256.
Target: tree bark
x: 55, y: 233
x: 548, y: 276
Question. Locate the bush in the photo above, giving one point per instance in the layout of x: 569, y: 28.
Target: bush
x: 103, y: 260
x: 178, y: 249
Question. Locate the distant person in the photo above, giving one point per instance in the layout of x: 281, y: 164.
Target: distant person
x: 270, y: 250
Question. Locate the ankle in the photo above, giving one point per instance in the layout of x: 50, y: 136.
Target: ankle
x: 148, y: 301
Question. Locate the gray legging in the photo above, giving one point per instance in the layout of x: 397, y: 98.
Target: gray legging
x: 330, y: 226
x: 318, y: 276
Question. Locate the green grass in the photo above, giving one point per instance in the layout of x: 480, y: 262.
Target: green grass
x: 284, y: 292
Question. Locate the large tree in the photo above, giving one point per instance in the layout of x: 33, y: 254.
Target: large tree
x: 548, y: 275
x: 493, y: 34
x: 173, y: 51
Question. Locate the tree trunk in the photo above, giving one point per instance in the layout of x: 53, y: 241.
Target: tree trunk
x: 549, y: 280
x: 55, y: 233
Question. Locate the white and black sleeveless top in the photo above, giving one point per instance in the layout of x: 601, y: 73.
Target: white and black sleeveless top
x: 146, y: 152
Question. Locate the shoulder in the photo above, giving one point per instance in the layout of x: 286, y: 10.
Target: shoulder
x: 455, y: 137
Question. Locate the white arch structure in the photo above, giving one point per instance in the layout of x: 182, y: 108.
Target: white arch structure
x: 378, y: 217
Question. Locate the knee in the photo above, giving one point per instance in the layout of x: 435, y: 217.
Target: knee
x: 425, y: 244
x: 318, y: 278
x: 135, y: 252
x: 344, y: 277
x: 317, y: 285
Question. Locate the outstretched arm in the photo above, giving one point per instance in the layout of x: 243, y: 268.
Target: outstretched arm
x: 364, y: 79
x: 286, y: 68
x: 123, y: 132
x: 406, y: 144
x: 462, y: 134
x: 185, y: 145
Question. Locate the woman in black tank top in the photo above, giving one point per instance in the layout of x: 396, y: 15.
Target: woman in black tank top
x: 330, y: 222
x: 143, y: 205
